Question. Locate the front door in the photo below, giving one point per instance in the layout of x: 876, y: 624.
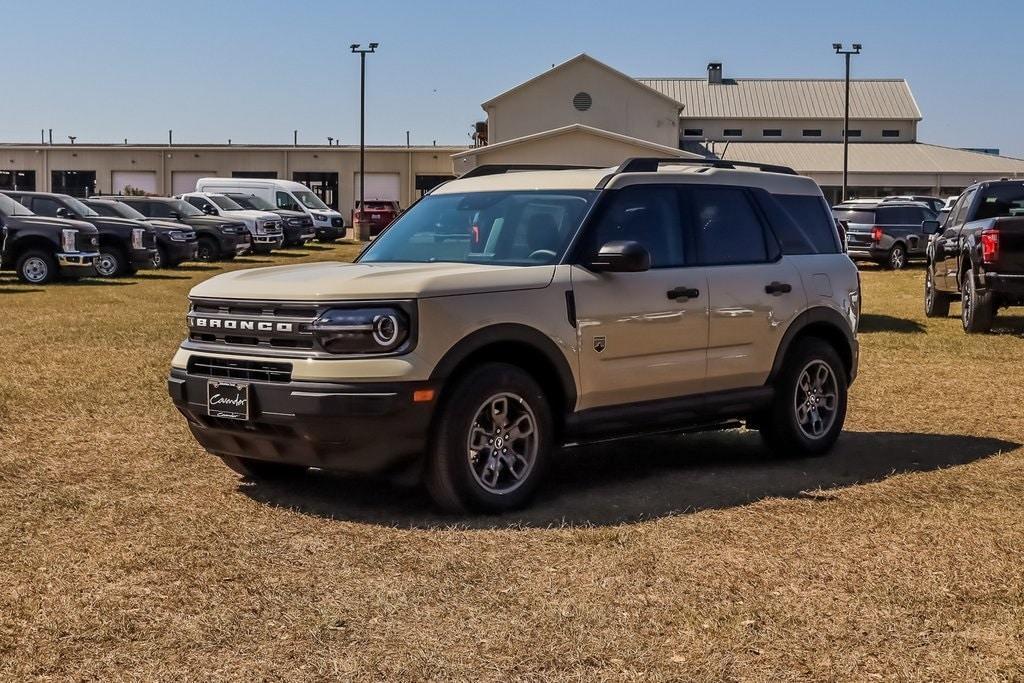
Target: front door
x: 641, y: 336
x: 947, y: 244
x: 755, y: 292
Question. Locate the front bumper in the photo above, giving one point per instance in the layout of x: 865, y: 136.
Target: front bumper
x: 243, y: 245
x: 142, y: 258
x: 77, y: 259
x: 329, y: 232
x: 178, y: 252
x: 365, y: 428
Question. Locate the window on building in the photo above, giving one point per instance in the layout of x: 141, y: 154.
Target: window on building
x: 890, y: 133
x: 733, y: 132
x: 772, y: 132
x: 693, y: 132
x: 854, y: 133
x: 812, y: 132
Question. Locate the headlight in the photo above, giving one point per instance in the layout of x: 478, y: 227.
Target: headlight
x: 295, y: 222
x: 137, y: 234
x: 261, y: 228
x: 362, y: 330
x: 178, y: 236
x: 319, y: 217
x: 228, y: 229
x: 67, y: 239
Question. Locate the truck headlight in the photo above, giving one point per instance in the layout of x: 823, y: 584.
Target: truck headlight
x: 295, y: 222
x: 319, y: 217
x: 68, y: 237
x: 178, y: 236
x: 362, y: 330
x: 261, y: 228
x: 137, y: 234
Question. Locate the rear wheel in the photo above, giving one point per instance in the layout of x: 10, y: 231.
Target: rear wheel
x: 207, y: 250
x: 897, y: 258
x: 492, y: 441
x: 809, y: 408
x: 112, y: 262
x: 262, y: 470
x: 36, y: 267
x: 977, y: 309
x: 936, y: 303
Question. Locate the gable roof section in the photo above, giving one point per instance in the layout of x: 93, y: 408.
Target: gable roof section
x: 789, y: 98
x: 582, y: 57
x: 660, y: 150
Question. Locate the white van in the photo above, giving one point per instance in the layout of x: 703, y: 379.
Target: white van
x: 284, y: 194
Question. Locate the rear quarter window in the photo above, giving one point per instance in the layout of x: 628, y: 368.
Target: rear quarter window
x: 855, y: 216
x: 805, y: 225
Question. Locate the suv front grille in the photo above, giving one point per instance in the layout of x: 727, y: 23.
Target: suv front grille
x: 253, y: 325
x: 255, y: 371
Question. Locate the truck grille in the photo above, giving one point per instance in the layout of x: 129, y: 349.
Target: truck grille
x: 252, y: 325
x: 254, y: 371
x: 336, y: 222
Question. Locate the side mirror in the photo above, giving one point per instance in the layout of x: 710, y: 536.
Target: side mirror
x: 930, y: 227
x: 209, y: 210
x: 64, y: 213
x: 621, y: 256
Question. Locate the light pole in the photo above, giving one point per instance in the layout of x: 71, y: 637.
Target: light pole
x: 362, y: 52
x: 855, y: 50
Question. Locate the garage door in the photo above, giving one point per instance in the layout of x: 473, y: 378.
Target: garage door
x: 137, y: 180
x: 380, y: 186
x: 185, y: 181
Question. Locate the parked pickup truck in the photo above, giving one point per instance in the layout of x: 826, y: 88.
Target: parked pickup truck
x: 40, y: 249
x: 125, y: 245
x: 887, y: 232
x: 978, y: 254
x: 175, y: 242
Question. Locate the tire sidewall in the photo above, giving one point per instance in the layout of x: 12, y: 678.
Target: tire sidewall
x: 47, y: 260
x: 784, y: 413
x: 207, y: 250
x: 449, y: 456
x: 891, y: 261
x: 117, y: 262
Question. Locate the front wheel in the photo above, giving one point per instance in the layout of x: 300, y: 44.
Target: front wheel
x: 492, y: 441
x: 897, y: 258
x: 936, y: 303
x: 977, y: 311
x: 112, y: 262
x: 207, y: 250
x: 809, y: 407
x: 36, y: 267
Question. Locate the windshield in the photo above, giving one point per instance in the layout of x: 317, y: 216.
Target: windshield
x: 184, y: 208
x: 520, y: 228
x: 116, y: 210
x: 225, y: 203
x: 9, y: 207
x: 310, y: 200
x: 78, y: 207
x: 1001, y: 200
x: 251, y: 201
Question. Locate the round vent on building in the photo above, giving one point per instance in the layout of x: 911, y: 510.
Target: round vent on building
x: 582, y: 101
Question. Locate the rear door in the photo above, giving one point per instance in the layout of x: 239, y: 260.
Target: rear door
x: 639, y: 338
x: 755, y: 292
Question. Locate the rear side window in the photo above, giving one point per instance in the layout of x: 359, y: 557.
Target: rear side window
x: 900, y: 215
x: 858, y: 216
x: 807, y: 227
x: 727, y: 226
x: 156, y: 210
x: 1001, y: 200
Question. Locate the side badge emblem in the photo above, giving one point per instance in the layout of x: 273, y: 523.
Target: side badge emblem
x: 599, y: 344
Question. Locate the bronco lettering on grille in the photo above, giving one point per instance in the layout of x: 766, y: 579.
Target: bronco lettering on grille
x: 233, y: 324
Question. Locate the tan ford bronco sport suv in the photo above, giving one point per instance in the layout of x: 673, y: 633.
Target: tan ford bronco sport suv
x: 511, y: 312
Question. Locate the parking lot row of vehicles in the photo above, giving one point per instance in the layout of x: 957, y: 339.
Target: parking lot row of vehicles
x: 48, y: 235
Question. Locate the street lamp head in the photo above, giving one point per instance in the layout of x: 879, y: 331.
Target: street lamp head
x: 373, y: 46
x: 856, y: 47
x: 837, y: 46
x: 354, y: 46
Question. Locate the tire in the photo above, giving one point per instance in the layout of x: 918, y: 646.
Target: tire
x: 262, y: 470
x: 897, y: 258
x: 799, y: 421
x: 460, y: 477
x: 160, y: 259
x: 936, y: 303
x: 112, y: 262
x: 208, y: 250
x: 977, y: 309
x: 36, y: 267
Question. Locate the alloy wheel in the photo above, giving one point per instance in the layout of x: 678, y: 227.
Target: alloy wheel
x: 106, y: 265
x: 502, y: 443
x: 897, y: 258
x: 816, y: 399
x: 35, y: 270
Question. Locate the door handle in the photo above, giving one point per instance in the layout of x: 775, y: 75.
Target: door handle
x: 683, y: 293
x: 778, y: 288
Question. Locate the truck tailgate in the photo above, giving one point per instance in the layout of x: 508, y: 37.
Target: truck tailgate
x: 1011, y: 244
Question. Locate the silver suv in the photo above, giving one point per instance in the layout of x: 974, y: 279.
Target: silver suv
x: 511, y: 312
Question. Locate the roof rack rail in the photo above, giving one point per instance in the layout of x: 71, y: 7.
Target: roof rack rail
x: 497, y: 169
x: 651, y: 164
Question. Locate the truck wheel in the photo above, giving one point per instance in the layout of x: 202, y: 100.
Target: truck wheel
x: 208, y: 250
x: 936, y: 303
x: 262, y: 470
x: 160, y: 258
x: 112, y: 262
x: 809, y: 407
x: 36, y: 267
x: 492, y: 441
x: 977, y: 310
x: 897, y: 258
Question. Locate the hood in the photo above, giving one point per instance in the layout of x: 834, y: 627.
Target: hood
x: 325, y: 212
x: 251, y: 214
x: 111, y: 222
x: 211, y: 221
x: 51, y: 223
x: 166, y: 225
x: 333, y: 281
x: 286, y: 213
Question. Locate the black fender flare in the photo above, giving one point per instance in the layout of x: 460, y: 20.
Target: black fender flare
x: 819, y: 319
x: 510, y: 333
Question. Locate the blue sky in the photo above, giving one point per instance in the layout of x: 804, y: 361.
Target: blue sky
x: 253, y: 71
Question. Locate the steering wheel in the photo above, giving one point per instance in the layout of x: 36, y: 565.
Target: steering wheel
x: 542, y: 255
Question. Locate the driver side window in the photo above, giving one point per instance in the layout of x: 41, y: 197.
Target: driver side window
x: 959, y: 212
x: 285, y: 201
x: 648, y: 214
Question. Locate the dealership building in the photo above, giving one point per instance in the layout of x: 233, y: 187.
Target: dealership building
x: 579, y: 112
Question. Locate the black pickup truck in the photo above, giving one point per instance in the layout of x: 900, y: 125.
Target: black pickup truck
x: 977, y: 254
x: 219, y: 239
x: 175, y: 242
x: 125, y: 245
x: 40, y: 249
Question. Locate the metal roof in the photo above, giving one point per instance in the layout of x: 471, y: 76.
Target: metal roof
x: 872, y: 157
x: 788, y: 98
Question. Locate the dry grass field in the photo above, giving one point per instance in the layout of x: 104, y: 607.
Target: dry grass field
x: 127, y: 553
